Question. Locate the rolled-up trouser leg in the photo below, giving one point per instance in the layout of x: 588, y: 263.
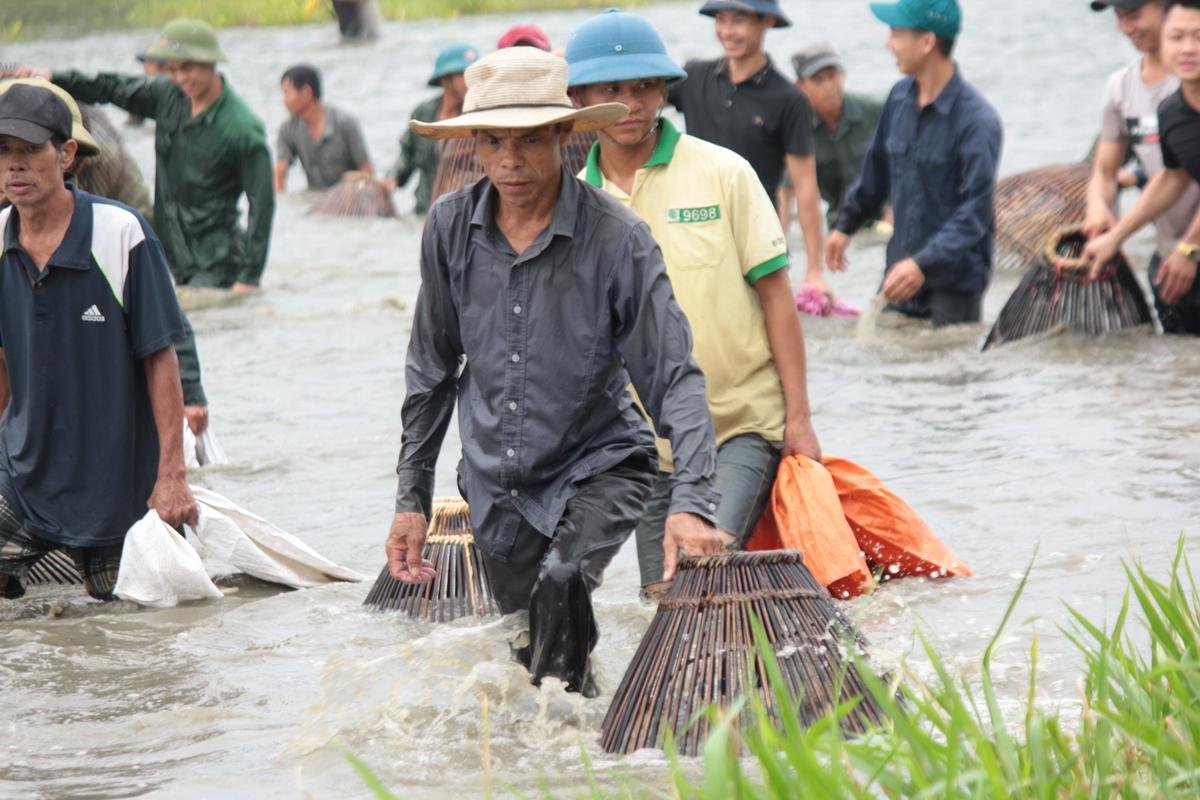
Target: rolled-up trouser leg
x: 746, y: 467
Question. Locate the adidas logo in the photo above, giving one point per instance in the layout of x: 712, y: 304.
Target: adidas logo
x: 92, y: 315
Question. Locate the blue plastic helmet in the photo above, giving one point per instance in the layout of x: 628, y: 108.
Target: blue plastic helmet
x: 453, y: 60
x: 618, y: 46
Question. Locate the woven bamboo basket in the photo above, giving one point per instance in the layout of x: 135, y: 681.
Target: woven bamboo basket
x: 698, y: 647
x: 1032, y: 207
x: 357, y: 194
x: 1056, y: 293
x: 460, y: 588
x: 56, y: 567
x: 458, y: 167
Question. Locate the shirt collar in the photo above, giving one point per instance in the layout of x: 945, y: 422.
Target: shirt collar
x: 209, y: 115
x: 664, y: 151
x: 566, y: 209
x: 75, y: 250
x: 944, y: 102
x: 757, y: 78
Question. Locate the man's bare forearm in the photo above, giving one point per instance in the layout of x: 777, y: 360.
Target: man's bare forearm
x: 166, y: 401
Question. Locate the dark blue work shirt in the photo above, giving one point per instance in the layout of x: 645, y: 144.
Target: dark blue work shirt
x: 539, y: 349
x: 936, y: 166
x: 78, y: 441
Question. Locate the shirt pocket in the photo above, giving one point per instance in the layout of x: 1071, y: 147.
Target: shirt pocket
x: 695, y: 237
x: 935, y: 168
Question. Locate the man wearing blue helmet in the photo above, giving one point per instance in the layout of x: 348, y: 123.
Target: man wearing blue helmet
x: 722, y: 243
x: 420, y: 156
x: 933, y: 157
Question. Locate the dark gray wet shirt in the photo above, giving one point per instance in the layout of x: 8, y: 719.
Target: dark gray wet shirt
x: 340, y: 149
x: 538, y: 349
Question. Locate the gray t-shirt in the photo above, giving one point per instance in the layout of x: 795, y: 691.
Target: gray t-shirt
x: 340, y: 149
x: 1131, y: 115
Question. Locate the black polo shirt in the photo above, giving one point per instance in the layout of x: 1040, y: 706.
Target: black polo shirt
x: 763, y: 119
x: 78, y: 443
x: 1179, y: 134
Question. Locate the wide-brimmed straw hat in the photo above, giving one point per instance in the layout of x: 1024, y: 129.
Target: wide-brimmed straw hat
x: 519, y: 87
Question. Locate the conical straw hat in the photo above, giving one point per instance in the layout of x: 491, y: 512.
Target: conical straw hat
x: 519, y: 87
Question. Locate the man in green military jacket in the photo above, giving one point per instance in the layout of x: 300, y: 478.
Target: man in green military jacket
x: 210, y: 149
x: 419, y: 156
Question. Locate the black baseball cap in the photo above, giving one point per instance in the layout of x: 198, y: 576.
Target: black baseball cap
x: 33, y: 114
x: 1120, y: 5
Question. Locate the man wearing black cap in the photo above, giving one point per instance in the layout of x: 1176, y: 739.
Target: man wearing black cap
x: 91, y: 433
x: 1130, y: 122
x: 743, y: 103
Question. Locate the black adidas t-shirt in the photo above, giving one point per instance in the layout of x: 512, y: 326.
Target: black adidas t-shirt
x: 1179, y: 129
x: 78, y: 441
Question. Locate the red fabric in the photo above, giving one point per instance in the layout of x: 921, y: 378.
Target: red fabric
x: 804, y: 514
x: 848, y: 524
x: 891, y: 534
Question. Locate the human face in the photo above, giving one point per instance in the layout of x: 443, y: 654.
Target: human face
x: 1142, y: 25
x: 196, y: 80
x: 826, y: 90
x: 645, y: 97
x: 296, y: 101
x: 1181, y: 43
x: 455, y: 87
x: 152, y: 68
x: 742, y: 33
x: 911, y: 48
x: 32, y: 173
x: 523, y: 164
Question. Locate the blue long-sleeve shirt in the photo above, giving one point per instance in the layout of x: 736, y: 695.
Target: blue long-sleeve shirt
x: 936, y: 166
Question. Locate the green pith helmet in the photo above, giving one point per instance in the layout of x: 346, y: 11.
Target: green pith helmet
x: 186, y: 39
x: 87, y: 144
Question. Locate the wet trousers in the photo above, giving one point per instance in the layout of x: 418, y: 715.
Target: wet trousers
x: 20, y: 551
x: 553, y: 579
x: 1182, y: 317
x: 746, y: 467
x: 942, y: 307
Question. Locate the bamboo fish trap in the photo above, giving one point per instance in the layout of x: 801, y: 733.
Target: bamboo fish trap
x: 460, y: 588
x: 56, y: 567
x: 1032, y: 207
x: 458, y: 167
x: 696, y: 652
x: 1056, y: 293
x: 357, y: 194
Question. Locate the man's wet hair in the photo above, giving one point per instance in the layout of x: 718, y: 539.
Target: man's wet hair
x: 946, y: 46
x: 303, y: 75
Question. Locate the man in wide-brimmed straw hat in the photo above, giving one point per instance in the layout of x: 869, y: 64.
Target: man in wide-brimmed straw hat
x: 556, y: 297
x: 210, y: 150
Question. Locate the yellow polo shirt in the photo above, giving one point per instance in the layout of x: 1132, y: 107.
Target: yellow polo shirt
x: 719, y: 233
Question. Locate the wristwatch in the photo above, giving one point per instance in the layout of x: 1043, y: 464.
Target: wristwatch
x: 1189, y: 250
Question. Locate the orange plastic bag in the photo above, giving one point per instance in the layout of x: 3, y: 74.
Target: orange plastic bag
x: 893, y: 537
x: 804, y: 514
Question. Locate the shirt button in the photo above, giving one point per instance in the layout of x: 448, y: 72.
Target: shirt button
x: 516, y: 309
x: 729, y: 104
x: 712, y: 506
x: 512, y: 406
x: 510, y: 452
x: 514, y: 492
x: 516, y: 358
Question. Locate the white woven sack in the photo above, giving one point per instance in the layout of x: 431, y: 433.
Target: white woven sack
x: 160, y: 568
x: 258, y: 548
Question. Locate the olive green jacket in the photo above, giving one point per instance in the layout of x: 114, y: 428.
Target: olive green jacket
x: 202, y: 166
x: 420, y: 155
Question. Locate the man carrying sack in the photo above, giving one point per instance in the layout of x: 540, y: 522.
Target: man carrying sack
x: 89, y: 381
x: 720, y: 239
x: 557, y: 297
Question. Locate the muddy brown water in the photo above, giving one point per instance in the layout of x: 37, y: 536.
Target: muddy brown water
x: 1083, y: 451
